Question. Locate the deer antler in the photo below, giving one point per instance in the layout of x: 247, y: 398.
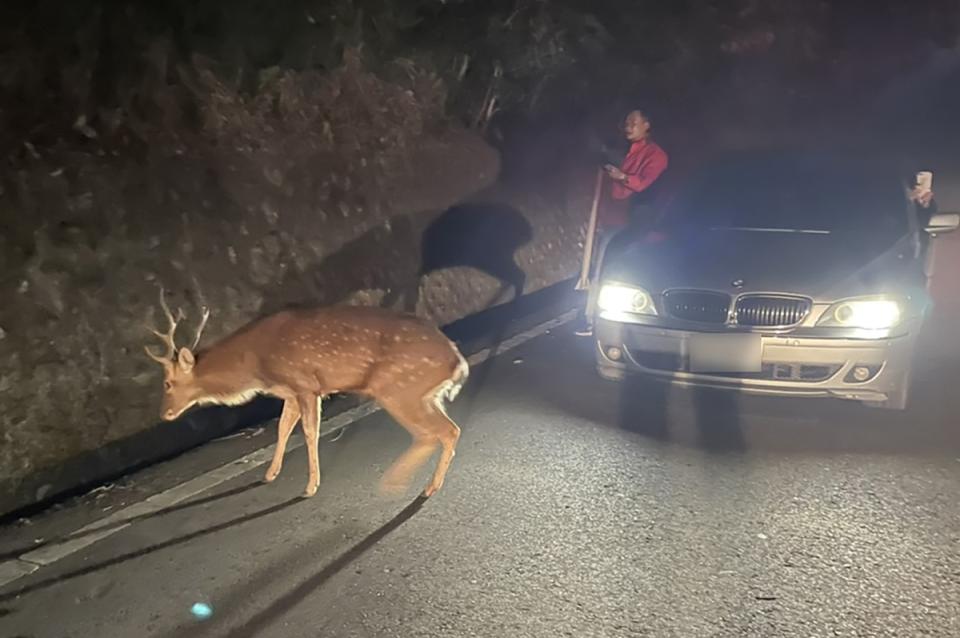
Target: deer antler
x: 168, y: 336
x: 203, y: 323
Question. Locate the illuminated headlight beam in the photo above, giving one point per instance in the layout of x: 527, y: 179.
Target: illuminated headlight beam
x: 868, y: 314
x: 620, y: 298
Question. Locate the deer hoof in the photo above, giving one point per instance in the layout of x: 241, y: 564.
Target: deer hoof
x: 431, y: 489
x: 270, y: 476
x: 310, y: 491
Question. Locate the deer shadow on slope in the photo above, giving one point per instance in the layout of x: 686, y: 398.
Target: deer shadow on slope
x: 395, y: 256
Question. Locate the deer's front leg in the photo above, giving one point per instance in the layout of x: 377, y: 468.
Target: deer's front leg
x: 310, y: 406
x: 288, y: 419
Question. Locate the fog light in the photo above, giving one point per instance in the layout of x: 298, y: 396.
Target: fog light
x: 614, y: 353
x: 862, y: 372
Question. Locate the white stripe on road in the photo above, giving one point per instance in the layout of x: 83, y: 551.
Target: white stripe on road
x: 112, y: 524
x: 29, y: 562
x: 11, y: 570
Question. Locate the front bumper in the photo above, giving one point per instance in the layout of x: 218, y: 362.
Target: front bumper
x: 791, y: 365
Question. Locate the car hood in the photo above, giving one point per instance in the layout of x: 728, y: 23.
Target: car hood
x: 821, y: 266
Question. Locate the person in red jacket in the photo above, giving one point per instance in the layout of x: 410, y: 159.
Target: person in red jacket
x: 632, y: 194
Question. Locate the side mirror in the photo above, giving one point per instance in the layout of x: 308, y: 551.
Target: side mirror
x: 943, y: 223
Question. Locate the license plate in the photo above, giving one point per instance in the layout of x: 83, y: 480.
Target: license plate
x: 725, y: 352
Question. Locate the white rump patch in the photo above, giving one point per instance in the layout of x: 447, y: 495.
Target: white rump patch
x: 449, y: 389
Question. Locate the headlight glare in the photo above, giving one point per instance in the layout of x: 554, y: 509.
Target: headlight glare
x: 620, y: 298
x: 868, y: 314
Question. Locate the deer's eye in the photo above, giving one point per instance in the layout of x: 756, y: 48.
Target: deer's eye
x: 167, y: 385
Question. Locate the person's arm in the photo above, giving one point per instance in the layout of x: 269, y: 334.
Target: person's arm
x: 647, y: 175
x: 640, y: 181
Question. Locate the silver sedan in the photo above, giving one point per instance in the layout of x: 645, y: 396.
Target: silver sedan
x: 779, y: 273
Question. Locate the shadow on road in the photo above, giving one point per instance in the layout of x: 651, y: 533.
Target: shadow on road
x: 173, y: 542
x: 643, y: 407
x: 263, y: 619
x: 17, y: 552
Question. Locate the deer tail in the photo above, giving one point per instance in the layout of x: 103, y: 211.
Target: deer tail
x: 459, y: 377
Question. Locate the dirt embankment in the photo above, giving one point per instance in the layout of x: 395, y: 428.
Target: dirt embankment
x: 319, y: 189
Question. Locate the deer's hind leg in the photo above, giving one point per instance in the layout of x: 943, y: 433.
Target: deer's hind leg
x: 424, y: 418
x: 448, y: 433
x: 288, y: 419
x: 397, y: 477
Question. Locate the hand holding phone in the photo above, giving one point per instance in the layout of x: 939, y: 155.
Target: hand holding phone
x: 923, y: 191
x: 614, y: 172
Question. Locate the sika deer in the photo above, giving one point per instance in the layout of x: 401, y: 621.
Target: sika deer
x: 300, y: 356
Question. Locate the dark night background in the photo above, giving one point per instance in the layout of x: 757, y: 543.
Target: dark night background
x: 251, y: 154
x: 440, y: 156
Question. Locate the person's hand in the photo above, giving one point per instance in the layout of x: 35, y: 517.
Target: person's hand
x: 615, y: 173
x: 922, y: 197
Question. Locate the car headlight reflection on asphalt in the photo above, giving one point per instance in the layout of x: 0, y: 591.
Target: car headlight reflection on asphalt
x: 619, y: 298
x: 868, y: 314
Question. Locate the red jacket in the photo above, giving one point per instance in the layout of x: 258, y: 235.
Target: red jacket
x: 644, y: 163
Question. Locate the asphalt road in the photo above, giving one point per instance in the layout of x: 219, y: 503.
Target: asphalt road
x: 574, y: 507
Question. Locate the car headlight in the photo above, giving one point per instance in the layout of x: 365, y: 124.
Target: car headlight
x: 868, y: 314
x: 620, y: 298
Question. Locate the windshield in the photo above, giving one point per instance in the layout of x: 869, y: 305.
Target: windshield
x: 790, y: 195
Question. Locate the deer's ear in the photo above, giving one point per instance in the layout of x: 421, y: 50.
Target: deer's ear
x: 185, y: 360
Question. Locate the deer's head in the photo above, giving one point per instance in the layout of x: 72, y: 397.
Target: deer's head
x: 180, y: 387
